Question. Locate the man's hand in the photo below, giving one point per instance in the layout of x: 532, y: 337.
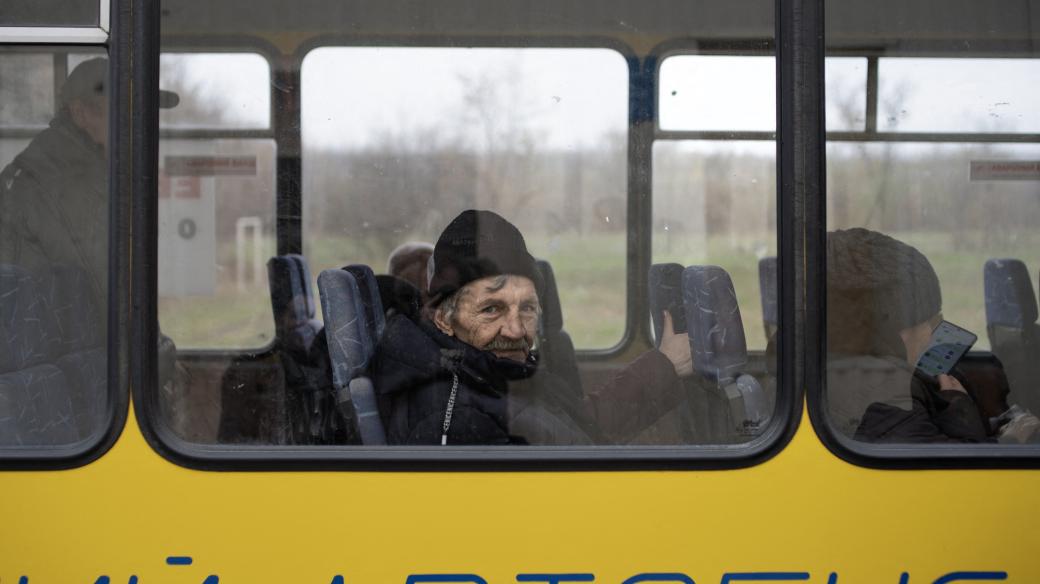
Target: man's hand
x: 676, y: 347
x: 949, y: 382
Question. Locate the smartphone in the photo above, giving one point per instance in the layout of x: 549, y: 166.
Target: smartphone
x: 948, y: 344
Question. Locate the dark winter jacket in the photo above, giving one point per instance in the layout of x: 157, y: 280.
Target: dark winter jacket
x: 934, y: 415
x: 54, y: 205
x: 497, y: 401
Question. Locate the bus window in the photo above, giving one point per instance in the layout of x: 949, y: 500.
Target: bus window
x: 931, y: 250
x: 992, y: 95
x: 537, y: 135
x: 54, y: 209
x: 714, y: 207
x: 216, y: 201
x: 462, y: 242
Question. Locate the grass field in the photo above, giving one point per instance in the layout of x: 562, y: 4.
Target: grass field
x: 590, y: 275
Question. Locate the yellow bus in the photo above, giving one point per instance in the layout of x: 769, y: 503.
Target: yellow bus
x: 743, y: 212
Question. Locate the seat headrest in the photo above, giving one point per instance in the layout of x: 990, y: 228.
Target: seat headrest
x: 291, y: 296
x: 375, y: 315
x: 552, y: 312
x: 1010, y: 300
x: 665, y: 292
x: 716, y: 331
x: 767, y: 290
x: 350, y: 344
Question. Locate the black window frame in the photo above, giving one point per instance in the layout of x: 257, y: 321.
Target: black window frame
x: 796, y: 200
x: 119, y: 49
x: 899, y: 456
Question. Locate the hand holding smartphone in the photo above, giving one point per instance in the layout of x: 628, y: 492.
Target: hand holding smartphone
x: 948, y: 344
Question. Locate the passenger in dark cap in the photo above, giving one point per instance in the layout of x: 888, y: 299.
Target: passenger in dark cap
x: 883, y: 301
x: 465, y: 372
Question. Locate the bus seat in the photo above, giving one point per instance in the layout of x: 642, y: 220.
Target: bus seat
x: 665, y: 294
x: 351, y: 346
x: 35, y: 403
x: 28, y: 334
x: 399, y: 297
x: 555, y: 347
x: 375, y: 317
x: 83, y: 355
x: 35, y: 408
x: 1011, y: 315
x: 305, y: 408
x: 767, y: 287
x: 718, y: 345
x: 292, y: 300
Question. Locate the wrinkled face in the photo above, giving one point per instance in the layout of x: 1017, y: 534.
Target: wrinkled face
x: 497, y: 314
x: 91, y: 114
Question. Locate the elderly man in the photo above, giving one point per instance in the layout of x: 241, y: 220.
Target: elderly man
x: 465, y: 372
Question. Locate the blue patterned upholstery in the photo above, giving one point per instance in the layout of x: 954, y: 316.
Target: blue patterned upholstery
x: 718, y: 345
x: 1014, y: 336
x: 767, y: 286
x: 351, y: 345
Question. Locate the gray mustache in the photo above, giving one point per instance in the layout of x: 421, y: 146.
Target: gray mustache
x: 503, y: 344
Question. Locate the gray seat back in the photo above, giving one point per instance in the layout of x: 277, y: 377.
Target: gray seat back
x: 718, y: 346
x: 35, y: 395
x: 1011, y: 315
x: 767, y: 289
x: 666, y: 294
x: 555, y: 347
x: 351, y: 347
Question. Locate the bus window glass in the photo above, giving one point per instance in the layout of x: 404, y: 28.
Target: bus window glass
x: 28, y: 90
x: 958, y: 95
x: 216, y: 232
x: 537, y: 135
x: 715, y: 204
x: 454, y: 252
x: 738, y: 93
x: 217, y: 90
x: 846, y: 93
x: 932, y: 246
x: 48, y: 13
x: 54, y: 207
x: 718, y: 93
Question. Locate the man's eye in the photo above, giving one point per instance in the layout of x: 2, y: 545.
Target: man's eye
x: 489, y: 310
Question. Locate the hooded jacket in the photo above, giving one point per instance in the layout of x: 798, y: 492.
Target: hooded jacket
x: 496, y: 402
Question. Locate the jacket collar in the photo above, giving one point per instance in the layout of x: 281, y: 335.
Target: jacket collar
x: 411, y: 353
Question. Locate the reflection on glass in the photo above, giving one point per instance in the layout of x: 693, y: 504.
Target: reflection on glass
x: 216, y: 233
x: 54, y: 255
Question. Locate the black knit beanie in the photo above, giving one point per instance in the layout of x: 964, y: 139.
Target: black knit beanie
x: 475, y: 245
x: 876, y: 286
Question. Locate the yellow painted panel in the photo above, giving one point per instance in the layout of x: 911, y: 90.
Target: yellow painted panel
x: 804, y: 511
